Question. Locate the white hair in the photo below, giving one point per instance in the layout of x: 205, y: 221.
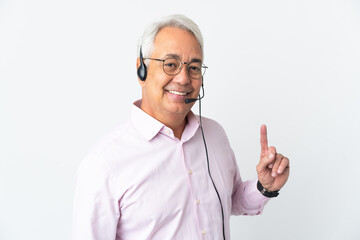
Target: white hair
x: 146, y: 41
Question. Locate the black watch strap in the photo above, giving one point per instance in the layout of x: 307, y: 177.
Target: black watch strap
x: 265, y: 192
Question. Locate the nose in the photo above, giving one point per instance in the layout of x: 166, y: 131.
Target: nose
x: 183, y: 76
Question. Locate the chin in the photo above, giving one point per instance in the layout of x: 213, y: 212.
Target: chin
x: 179, y: 108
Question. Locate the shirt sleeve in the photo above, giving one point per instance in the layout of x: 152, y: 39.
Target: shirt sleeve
x: 246, y: 198
x: 95, y: 210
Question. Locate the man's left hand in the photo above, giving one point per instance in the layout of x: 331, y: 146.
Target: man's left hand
x: 273, y: 169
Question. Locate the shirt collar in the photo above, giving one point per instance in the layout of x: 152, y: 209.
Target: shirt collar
x: 191, y: 127
x: 149, y: 127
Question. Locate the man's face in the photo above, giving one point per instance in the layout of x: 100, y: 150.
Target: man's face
x: 163, y: 96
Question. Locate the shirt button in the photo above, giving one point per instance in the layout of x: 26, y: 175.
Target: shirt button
x: 203, y: 232
x: 168, y: 131
x: 197, y: 201
x: 190, y: 172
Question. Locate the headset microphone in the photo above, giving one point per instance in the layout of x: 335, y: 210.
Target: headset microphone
x: 190, y: 100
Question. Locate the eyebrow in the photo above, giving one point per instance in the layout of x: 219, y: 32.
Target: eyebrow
x: 170, y: 55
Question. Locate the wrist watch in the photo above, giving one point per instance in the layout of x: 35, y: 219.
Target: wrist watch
x: 265, y: 192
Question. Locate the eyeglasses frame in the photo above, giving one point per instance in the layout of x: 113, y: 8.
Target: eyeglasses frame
x: 180, y: 68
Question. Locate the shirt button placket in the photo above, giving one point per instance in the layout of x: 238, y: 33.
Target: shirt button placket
x: 197, y: 202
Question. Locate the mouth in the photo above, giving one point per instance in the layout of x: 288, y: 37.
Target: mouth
x: 178, y: 93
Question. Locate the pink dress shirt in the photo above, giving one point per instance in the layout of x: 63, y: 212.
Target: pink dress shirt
x: 141, y: 182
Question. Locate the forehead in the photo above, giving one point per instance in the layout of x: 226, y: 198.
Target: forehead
x: 183, y: 43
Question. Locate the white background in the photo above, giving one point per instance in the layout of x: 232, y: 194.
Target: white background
x: 68, y: 76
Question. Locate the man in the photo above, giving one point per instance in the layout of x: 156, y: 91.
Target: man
x: 166, y: 173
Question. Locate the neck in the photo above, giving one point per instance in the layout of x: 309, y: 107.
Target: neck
x: 176, y: 122
x: 177, y: 127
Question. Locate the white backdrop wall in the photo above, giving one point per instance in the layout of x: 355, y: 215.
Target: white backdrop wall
x: 68, y: 76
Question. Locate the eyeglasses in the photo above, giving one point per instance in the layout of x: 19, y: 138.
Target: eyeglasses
x: 173, y: 66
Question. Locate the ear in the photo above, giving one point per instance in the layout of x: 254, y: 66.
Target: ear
x: 137, y: 63
x: 142, y: 83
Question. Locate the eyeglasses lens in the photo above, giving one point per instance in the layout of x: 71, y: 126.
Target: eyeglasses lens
x: 172, y: 67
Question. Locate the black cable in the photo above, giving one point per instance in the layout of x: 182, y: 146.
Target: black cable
x: 207, y: 158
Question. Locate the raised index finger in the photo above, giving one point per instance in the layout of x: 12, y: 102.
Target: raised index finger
x: 263, y: 138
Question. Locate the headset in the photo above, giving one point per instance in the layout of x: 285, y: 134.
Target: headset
x: 142, y: 70
x: 142, y: 74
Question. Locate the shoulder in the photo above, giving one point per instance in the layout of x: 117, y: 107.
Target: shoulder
x: 110, y: 138
x: 96, y: 169
x: 211, y: 124
x: 100, y: 155
x: 213, y: 129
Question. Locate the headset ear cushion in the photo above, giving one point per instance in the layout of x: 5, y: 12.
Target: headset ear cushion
x: 142, y: 70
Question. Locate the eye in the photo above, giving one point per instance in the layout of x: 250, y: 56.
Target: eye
x: 195, y: 68
x: 171, y: 65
